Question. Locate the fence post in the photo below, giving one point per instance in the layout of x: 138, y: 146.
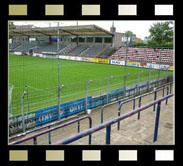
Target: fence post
x: 159, y: 67
x: 108, y: 135
x: 22, y: 110
x: 102, y: 115
x: 139, y: 107
x: 167, y: 75
x: 108, y: 88
x: 59, y: 89
x: 78, y: 127
x: 155, y: 94
x: 90, y: 136
x: 157, y: 122
x: 49, y: 136
x: 26, y: 89
x: 119, y: 113
x: 167, y: 95
x: 163, y: 91
x: 139, y: 80
x: 149, y: 78
x: 124, y: 84
x: 35, y: 140
x: 86, y: 101
x: 134, y: 104
x: 170, y: 88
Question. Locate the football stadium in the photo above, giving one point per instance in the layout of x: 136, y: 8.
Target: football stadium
x: 70, y: 84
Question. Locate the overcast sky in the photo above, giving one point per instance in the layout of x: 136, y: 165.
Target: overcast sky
x: 140, y: 28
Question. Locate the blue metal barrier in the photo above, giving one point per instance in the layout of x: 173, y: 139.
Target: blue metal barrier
x: 128, y: 99
x: 107, y: 105
x: 46, y: 126
x: 108, y: 124
x: 140, y: 98
x: 34, y: 137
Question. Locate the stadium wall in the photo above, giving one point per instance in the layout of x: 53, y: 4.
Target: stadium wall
x: 115, y: 62
x: 49, y: 114
x: 103, y: 61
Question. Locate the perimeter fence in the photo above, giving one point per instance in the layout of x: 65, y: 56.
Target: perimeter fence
x: 42, y: 114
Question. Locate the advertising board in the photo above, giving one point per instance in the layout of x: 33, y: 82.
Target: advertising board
x: 164, y: 67
x: 171, y: 68
x: 95, y: 60
x: 15, y: 122
x: 115, y: 62
x: 49, y: 114
x: 131, y: 63
x: 105, y: 61
x: 17, y: 53
x: 37, y: 55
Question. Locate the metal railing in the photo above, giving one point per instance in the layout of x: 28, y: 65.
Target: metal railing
x: 34, y: 136
x: 128, y: 99
x: 46, y: 126
x: 108, y: 124
x: 140, y: 99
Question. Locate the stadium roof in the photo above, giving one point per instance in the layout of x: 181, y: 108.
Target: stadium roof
x: 81, y: 30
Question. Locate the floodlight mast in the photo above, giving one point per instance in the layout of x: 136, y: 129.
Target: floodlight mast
x: 58, y: 77
x: 113, y: 34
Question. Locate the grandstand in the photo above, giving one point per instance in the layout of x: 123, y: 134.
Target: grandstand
x: 94, y: 51
x: 149, y: 55
x: 26, y: 47
x: 85, y: 41
x: 50, y: 48
x: 13, y: 46
x: 78, y: 50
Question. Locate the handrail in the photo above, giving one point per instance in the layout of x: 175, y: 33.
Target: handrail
x: 108, y: 124
x: 107, y: 105
x: 34, y: 136
x: 140, y: 97
x: 43, y: 127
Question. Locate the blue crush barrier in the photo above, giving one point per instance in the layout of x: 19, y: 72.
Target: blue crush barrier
x: 46, y: 126
x: 140, y: 98
x: 49, y: 130
x: 50, y: 114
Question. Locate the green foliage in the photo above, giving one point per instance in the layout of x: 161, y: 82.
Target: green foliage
x: 161, y: 34
x: 11, y: 26
x: 140, y: 44
x: 129, y: 35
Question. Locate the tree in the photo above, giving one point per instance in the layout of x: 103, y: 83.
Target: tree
x: 11, y: 26
x: 140, y: 44
x: 128, y: 35
x: 161, y: 34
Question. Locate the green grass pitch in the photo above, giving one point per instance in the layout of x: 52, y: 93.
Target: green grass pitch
x: 40, y: 76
